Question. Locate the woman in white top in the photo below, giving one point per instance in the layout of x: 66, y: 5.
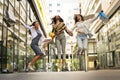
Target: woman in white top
x: 82, y: 27
x: 37, y: 36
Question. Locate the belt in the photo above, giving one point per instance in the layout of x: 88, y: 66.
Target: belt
x: 59, y: 33
x: 80, y: 32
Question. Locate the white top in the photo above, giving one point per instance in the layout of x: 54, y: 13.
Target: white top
x: 34, y: 33
x: 81, y: 26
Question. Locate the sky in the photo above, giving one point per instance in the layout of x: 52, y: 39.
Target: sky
x: 67, y: 10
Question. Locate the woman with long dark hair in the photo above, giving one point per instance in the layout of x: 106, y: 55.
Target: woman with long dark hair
x: 37, y: 37
x: 60, y: 40
x: 82, y: 29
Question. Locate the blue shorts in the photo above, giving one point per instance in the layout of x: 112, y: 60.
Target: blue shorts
x: 82, y: 41
x: 35, y: 47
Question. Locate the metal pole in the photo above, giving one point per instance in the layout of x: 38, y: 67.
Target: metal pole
x: 72, y: 55
x: 86, y: 60
x: 18, y: 41
x: 26, y: 37
x: 13, y: 42
x: 80, y: 7
x: 2, y: 36
x: 48, y: 56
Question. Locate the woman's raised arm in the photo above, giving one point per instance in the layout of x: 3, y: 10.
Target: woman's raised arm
x: 25, y: 25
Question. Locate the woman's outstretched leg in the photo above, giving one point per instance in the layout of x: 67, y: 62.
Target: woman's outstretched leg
x: 31, y: 63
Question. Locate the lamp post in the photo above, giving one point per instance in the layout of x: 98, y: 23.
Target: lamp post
x: 72, y: 55
x: 86, y: 60
x: 80, y: 7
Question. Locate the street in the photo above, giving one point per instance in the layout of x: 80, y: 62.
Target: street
x: 79, y: 75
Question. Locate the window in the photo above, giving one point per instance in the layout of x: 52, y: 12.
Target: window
x: 110, y: 59
x: 50, y: 10
x: 58, y: 10
x: 50, y: 5
x: 58, y: 4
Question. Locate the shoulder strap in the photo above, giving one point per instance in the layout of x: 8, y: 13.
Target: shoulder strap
x: 59, y: 27
x: 85, y: 26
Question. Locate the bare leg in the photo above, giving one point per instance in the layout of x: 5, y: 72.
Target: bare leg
x: 80, y: 51
x: 83, y: 51
x: 36, y: 58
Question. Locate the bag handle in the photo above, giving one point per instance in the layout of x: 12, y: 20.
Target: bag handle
x: 88, y: 31
x: 85, y: 26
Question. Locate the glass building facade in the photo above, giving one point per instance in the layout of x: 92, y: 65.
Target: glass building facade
x: 108, y: 42
x: 15, y: 52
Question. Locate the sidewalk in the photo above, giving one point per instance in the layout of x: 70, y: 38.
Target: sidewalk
x: 80, y: 75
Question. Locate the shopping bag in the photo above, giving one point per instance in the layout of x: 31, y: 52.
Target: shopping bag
x: 103, y: 17
x: 90, y: 34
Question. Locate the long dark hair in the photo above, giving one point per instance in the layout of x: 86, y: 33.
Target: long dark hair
x: 75, y: 17
x: 33, y: 24
x: 54, y: 19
